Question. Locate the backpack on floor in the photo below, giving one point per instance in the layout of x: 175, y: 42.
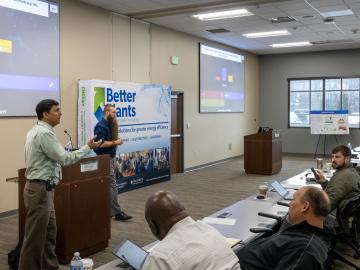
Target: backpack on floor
x: 14, y: 256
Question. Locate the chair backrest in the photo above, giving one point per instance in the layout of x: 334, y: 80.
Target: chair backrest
x: 348, y: 214
x: 350, y: 208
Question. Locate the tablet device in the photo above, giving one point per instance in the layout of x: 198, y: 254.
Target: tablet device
x: 131, y: 254
x: 283, y: 192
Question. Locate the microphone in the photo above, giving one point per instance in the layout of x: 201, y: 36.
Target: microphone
x: 68, y: 134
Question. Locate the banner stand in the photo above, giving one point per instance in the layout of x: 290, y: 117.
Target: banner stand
x: 143, y: 113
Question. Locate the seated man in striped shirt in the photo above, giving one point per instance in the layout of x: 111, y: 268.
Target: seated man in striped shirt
x: 184, y: 242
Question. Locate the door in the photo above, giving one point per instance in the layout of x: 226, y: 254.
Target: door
x: 177, y: 133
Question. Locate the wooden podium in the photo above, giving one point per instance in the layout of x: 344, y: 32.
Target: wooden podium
x: 263, y: 153
x: 82, y: 205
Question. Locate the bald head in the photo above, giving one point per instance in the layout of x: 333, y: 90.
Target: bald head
x: 162, y: 211
x: 310, y: 204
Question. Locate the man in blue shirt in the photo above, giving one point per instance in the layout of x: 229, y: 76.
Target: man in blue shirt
x: 107, y: 131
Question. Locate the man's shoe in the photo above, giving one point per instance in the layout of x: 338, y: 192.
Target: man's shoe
x: 122, y: 216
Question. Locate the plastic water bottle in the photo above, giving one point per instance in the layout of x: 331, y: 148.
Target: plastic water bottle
x: 76, y: 262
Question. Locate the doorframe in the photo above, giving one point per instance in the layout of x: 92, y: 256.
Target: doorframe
x: 181, y: 94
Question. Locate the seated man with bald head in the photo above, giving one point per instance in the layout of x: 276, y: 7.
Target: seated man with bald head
x: 303, y: 245
x: 184, y: 243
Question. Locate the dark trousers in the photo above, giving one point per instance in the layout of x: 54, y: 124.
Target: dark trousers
x: 38, y: 250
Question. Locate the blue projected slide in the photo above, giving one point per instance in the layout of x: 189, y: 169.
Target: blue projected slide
x: 29, y: 55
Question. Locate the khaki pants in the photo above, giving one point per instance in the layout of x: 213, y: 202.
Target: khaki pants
x: 38, y: 250
x: 115, y: 206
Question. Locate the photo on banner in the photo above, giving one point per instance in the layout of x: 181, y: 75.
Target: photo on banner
x: 143, y: 113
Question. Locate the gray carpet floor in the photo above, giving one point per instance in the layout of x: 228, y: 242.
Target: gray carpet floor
x: 202, y: 191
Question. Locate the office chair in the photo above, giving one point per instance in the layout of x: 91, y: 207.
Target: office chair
x: 347, y: 232
x: 265, y: 230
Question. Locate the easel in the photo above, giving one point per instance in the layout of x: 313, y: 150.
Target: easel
x: 324, y: 145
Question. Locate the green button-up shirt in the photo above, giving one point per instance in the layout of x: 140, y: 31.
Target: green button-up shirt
x: 44, y: 154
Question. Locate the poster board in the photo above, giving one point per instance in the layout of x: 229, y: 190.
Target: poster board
x: 143, y: 113
x: 329, y: 122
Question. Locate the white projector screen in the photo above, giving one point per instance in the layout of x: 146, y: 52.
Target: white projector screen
x: 221, y: 81
x: 29, y: 55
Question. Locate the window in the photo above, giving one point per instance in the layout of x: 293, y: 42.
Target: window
x: 323, y: 94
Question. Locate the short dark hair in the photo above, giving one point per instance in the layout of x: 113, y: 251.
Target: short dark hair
x: 107, y: 107
x: 343, y: 149
x: 44, y: 106
x: 318, y: 200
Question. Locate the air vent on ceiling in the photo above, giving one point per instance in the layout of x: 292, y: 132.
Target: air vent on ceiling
x: 325, y: 42
x: 218, y: 31
x: 282, y: 19
x: 308, y: 16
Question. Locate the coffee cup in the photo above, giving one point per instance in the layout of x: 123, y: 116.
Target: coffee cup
x: 88, y: 264
x: 263, y: 189
x: 319, y: 163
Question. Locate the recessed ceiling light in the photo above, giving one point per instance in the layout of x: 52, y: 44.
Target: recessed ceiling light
x: 223, y: 14
x: 337, y: 13
x: 291, y: 44
x: 267, y: 34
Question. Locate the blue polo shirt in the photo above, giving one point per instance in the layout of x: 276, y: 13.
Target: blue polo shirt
x: 103, y: 132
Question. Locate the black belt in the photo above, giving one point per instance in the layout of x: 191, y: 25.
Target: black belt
x: 39, y: 181
x: 48, y: 185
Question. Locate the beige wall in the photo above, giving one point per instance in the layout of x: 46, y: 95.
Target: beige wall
x: 209, y: 135
x: 103, y: 46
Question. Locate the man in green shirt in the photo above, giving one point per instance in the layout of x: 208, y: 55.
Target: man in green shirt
x: 345, y: 183
x: 43, y: 157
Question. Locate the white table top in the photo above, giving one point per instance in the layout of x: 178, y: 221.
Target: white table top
x: 246, y: 214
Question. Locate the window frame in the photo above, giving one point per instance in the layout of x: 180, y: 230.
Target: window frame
x: 323, y: 95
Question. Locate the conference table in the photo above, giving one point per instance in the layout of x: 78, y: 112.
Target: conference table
x: 234, y: 221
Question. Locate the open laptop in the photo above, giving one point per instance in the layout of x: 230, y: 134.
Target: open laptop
x: 130, y: 253
x: 283, y: 192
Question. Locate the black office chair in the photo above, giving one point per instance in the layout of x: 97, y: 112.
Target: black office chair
x: 346, y: 231
x: 265, y: 230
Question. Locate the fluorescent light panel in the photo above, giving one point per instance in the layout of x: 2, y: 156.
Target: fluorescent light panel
x: 267, y: 34
x: 338, y: 13
x: 223, y: 14
x: 291, y: 44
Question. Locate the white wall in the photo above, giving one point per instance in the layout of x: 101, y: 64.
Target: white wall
x: 95, y: 44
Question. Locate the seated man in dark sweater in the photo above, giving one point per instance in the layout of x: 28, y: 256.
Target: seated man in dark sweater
x: 303, y: 245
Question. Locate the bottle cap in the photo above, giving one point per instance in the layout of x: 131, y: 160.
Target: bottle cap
x: 77, y: 254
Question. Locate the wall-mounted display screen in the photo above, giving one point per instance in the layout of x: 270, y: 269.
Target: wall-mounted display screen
x: 221, y: 80
x: 29, y: 55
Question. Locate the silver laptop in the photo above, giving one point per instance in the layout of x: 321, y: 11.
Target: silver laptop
x: 131, y: 254
x: 283, y: 192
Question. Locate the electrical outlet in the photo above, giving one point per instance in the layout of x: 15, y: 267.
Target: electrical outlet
x: 230, y: 146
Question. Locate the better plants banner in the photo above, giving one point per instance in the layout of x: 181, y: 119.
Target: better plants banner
x: 143, y: 114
